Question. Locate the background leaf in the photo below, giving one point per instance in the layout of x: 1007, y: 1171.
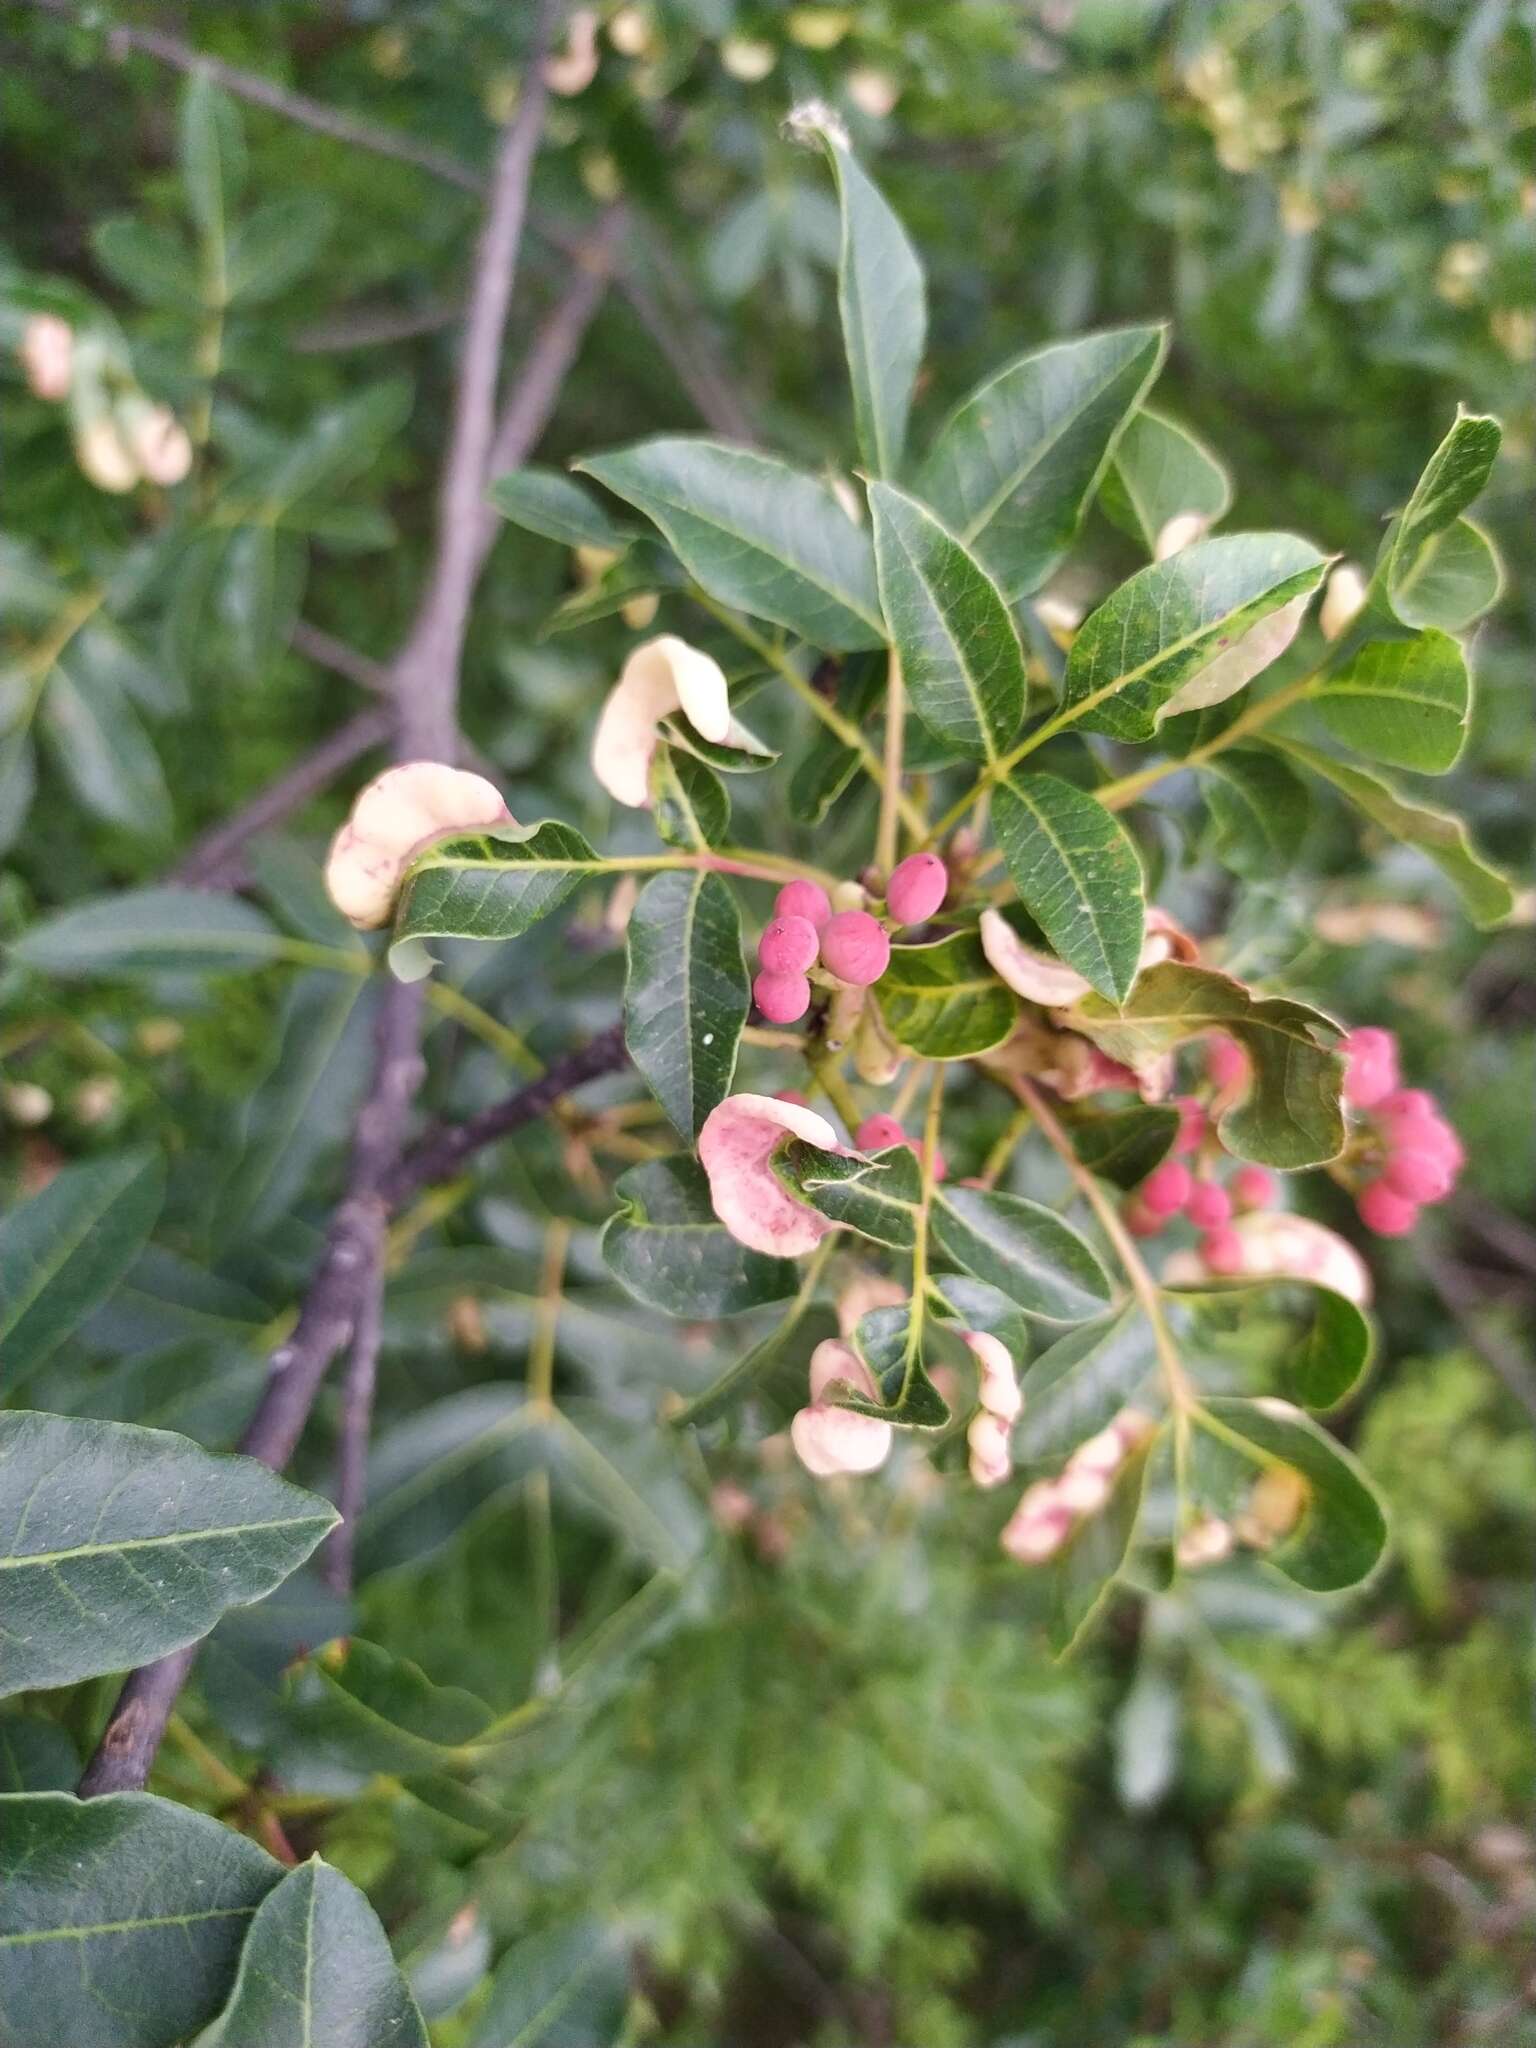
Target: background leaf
x: 121, y: 1919
x: 315, y: 1967
x: 120, y: 1543
x: 1014, y: 468
x: 755, y: 533
x: 687, y: 993
x: 64, y: 1251
x: 1162, y: 472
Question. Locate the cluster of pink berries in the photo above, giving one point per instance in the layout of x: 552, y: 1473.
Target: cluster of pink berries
x: 853, y: 946
x: 1415, y: 1154
x: 1175, y: 1189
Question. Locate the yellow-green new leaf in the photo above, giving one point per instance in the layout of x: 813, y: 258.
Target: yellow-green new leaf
x: 1404, y: 702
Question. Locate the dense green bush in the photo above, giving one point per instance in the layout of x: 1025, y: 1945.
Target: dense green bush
x: 627, y: 1728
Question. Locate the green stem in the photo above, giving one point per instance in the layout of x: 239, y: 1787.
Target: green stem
x: 890, y: 790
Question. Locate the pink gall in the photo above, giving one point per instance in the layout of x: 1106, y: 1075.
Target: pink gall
x: 917, y: 888
x: 804, y: 899
x: 855, y: 947
x: 782, y: 998
x: 788, y: 945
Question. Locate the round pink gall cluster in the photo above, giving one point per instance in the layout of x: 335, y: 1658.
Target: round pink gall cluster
x: 849, y: 944
x: 879, y: 1133
x: 1415, y: 1153
x: 1172, y: 1189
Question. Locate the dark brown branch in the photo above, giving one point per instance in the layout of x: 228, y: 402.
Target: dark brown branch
x: 425, y: 677
x: 357, y: 1390
x: 211, y: 861
x: 298, y: 107
x: 443, y: 1151
x: 326, y: 1321
x: 426, y: 669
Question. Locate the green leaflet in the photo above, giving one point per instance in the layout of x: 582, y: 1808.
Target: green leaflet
x: 1014, y: 468
x: 316, y: 1966
x: 689, y: 801
x: 1081, y: 1576
x: 494, y: 885
x: 881, y: 300
x: 1024, y: 1249
x: 667, y: 1246
x: 879, y: 1197
x: 1121, y: 1145
x: 943, y: 1002
x: 1454, y: 475
x: 121, y: 1918
x: 1259, y: 811
x: 1342, y: 1532
x: 119, y: 1544
x: 1188, y: 632
x: 1161, y: 472
x: 890, y: 1342
x: 755, y: 533
x: 1459, y: 577
x: 1340, y: 1340
x: 1290, y: 1116
x: 1077, y: 873
x: 373, y: 1712
x: 1443, y: 837
x: 686, y: 994
x: 1404, y: 702
x: 566, y: 1986
x: 548, y: 502
x: 63, y: 1252
x: 1083, y: 1381
x: 150, y: 931
x: 960, y: 654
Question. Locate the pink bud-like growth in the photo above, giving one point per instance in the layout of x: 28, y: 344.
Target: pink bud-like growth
x: 1222, y: 1251
x: 991, y: 1456
x: 1252, y: 1187
x: 1209, y: 1206
x: 855, y: 947
x: 879, y: 1133
x: 917, y: 888
x: 829, y: 1440
x: 1166, y: 1188
x: 789, y: 945
x: 1370, y: 1073
x: 804, y: 899
x: 1387, y: 1214
x: 782, y: 998
x: 998, y: 1382
x: 1417, y: 1176
x: 1410, y: 1102
x: 736, y: 1147
x: 1191, y: 1124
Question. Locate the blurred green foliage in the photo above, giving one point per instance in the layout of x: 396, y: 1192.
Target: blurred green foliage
x: 838, y: 1793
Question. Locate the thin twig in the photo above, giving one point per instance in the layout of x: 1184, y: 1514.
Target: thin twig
x: 426, y: 669
x: 426, y: 680
x: 442, y: 1152
x: 326, y: 651
x: 277, y: 99
x: 209, y: 862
